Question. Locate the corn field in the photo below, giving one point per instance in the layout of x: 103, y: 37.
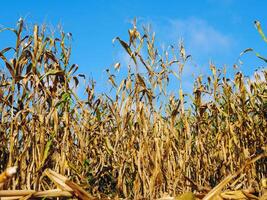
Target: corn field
x: 140, y: 141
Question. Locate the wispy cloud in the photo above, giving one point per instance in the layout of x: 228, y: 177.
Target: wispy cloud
x: 258, y: 76
x: 202, y: 40
x: 200, y: 36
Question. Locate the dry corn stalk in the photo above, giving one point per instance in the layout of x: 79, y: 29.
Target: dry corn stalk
x: 26, y: 194
x: 239, y: 194
x: 213, y: 194
x: 65, y: 184
x: 142, y: 144
x: 8, y: 173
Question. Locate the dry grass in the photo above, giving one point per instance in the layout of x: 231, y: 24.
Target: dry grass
x: 140, y: 142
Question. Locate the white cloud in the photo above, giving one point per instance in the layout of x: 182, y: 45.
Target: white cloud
x: 126, y: 61
x: 200, y: 37
x: 258, y: 76
x: 202, y: 40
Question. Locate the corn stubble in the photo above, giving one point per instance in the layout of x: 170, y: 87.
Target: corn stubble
x: 141, y: 141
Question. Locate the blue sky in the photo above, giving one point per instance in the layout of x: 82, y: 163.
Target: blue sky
x: 212, y: 30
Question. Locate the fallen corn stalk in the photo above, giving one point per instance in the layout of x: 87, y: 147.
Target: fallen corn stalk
x: 65, y: 184
x: 215, y: 191
x: 66, y: 188
x: 8, y: 173
x: 17, y: 194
